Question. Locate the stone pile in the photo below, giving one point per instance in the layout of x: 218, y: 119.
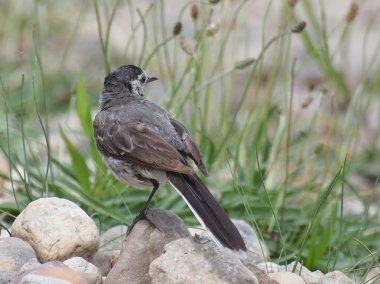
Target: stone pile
x: 55, y: 241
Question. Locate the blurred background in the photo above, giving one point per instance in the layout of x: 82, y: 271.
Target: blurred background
x: 281, y: 96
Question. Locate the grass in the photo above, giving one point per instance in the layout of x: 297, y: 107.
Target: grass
x: 285, y: 169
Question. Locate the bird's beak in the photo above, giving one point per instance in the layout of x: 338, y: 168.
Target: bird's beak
x: 151, y: 79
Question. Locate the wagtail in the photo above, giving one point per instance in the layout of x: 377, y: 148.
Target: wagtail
x: 143, y: 145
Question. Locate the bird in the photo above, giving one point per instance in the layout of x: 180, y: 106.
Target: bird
x: 144, y: 146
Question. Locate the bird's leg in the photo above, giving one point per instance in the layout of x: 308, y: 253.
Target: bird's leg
x: 145, y: 209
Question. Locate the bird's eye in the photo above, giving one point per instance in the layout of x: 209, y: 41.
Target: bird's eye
x: 143, y: 79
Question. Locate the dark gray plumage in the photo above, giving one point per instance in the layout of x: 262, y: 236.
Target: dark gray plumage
x: 143, y: 145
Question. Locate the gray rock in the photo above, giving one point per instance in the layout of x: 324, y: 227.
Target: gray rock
x: 186, y: 261
x: 111, y: 244
x: 255, y: 247
x: 57, y: 229
x: 5, y: 277
x: 145, y: 242
x: 335, y: 277
x: 102, y: 261
x: 14, y: 253
x: 91, y: 272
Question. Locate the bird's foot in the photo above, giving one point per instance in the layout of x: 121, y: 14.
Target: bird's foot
x: 141, y: 216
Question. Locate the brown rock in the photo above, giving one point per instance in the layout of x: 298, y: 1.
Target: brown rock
x: 145, y: 243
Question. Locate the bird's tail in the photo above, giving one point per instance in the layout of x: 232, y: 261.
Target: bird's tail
x: 207, y: 210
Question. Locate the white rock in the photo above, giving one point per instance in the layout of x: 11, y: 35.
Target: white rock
x: 79, y: 264
x: 308, y: 276
x: 4, y: 233
x: 336, y: 277
x: 57, y: 229
x: 284, y: 277
x: 185, y: 261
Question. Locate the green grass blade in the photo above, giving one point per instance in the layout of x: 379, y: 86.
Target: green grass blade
x: 78, y: 161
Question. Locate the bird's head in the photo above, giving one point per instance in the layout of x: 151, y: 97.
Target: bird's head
x: 130, y: 78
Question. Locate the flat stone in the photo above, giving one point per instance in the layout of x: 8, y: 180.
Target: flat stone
x: 186, y: 261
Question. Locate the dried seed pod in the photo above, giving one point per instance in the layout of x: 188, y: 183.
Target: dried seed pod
x: 186, y: 46
x: 244, y: 63
x: 177, y: 28
x: 299, y: 27
x: 213, y: 2
x: 352, y: 12
x: 307, y: 102
x: 194, y: 11
x: 212, y: 29
x: 292, y: 3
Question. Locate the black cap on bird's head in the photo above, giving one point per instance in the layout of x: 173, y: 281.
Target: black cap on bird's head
x: 128, y: 77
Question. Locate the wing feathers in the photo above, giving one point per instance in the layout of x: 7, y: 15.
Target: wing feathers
x: 137, y: 143
x: 191, y: 146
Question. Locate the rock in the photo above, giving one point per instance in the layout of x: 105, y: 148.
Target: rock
x: 91, y: 272
x: 54, y: 272
x: 57, y: 229
x: 354, y: 207
x: 373, y: 276
x: 32, y: 264
x: 14, y: 253
x: 4, y: 233
x: 144, y: 243
x: 258, y: 250
x: 261, y: 275
x: 335, y: 277
x: 5, y: 277
x: 284, y: 277
x: 185, y: 261
x: 111, y: 243
x: 102, y: 261
x: 308, y: 276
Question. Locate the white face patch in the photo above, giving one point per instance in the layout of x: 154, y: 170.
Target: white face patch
x: 143, y: 77
x: 137, y: 88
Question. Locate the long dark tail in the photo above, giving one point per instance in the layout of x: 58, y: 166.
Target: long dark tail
x: 207, y: 210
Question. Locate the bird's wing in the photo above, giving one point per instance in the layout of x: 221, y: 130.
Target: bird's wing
x: 137, y: 143
x: 192, y: 148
